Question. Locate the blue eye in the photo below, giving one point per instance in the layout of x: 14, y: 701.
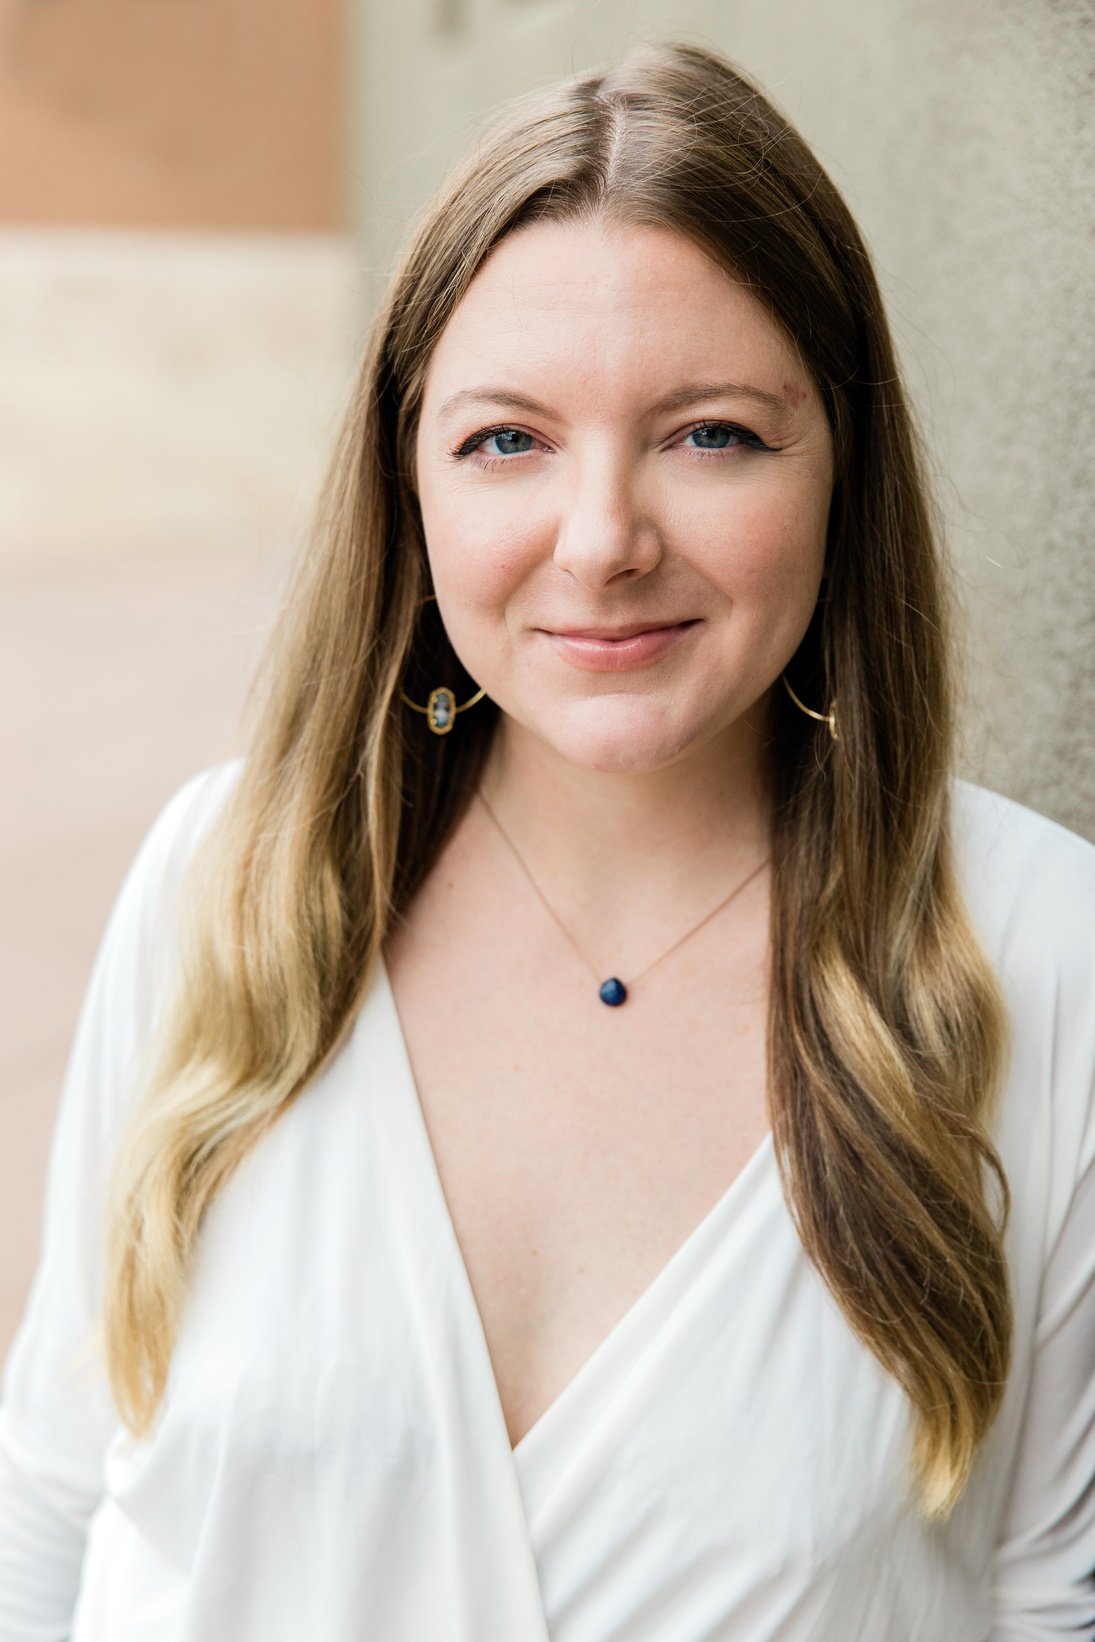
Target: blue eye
x: 507, y: 441
x: 506, y: 444
x: 493, y: 446
x: 716, y: 436
x: 713, y: 436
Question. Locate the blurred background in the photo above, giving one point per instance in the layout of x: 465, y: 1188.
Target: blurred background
x: 200, y: 201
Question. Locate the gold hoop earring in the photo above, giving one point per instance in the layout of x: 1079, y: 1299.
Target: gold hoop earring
x: 828, y: 718
x: 441, y: 708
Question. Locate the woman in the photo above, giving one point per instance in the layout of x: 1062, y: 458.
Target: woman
x: 594, y: 1125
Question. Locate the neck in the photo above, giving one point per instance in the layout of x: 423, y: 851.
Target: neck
x: 616, y: 849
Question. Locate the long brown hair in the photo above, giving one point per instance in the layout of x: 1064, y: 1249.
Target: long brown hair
x: 886, y: 1031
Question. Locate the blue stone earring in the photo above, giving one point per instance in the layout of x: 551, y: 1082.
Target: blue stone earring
x: 441, y: 708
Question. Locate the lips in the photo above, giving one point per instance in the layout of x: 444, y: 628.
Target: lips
x: 619, y: 649
x: 616, y: 634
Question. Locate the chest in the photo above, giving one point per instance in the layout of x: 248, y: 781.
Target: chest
x: 577, y: 1147
x: 332, y: 1407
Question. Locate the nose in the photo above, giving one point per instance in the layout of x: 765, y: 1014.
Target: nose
x: 605, y: 532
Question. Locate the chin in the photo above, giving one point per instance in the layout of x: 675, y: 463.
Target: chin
x: 620, y: 736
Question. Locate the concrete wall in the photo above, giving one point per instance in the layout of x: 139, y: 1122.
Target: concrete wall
x: 962, y: 133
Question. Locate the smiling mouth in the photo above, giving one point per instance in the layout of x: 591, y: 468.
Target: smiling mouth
x: 618, y: 650
x: 617, y: 635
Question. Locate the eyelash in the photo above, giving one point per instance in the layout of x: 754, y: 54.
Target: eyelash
x: 470, y: 446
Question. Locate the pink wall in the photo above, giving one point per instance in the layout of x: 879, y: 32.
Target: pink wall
x: 180, y: 113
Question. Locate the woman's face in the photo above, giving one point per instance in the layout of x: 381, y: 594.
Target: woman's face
x: 616, y: 436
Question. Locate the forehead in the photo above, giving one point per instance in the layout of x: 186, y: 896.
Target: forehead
x: 595, y: 307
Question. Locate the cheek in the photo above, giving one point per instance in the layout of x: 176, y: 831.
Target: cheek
x: 478, y: 554
x: 771, y: 551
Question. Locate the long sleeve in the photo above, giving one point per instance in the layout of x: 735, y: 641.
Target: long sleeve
x: 1045, y: 1563
x: 57, y: 1416
x: 1044, y: 1573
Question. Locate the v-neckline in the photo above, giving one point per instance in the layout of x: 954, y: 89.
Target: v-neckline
x: 650, y: 1295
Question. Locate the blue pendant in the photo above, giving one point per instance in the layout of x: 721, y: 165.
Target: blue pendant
x: 613, y: 992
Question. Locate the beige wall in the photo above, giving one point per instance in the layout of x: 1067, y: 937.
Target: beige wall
x: 963, y: 136
x: 167, y: 394
x: 172, y: 113
x: 167, y: 404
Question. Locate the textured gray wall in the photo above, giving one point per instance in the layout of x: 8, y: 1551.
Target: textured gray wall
x: 962, y: 133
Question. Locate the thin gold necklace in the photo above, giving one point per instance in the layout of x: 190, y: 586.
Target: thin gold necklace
x: 613, y: 991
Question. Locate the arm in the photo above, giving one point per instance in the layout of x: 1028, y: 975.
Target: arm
x: 1044, y: 1570
x: 57, y: 1416
x: 1044, y: 1583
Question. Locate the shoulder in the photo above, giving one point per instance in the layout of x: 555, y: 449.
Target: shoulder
x: 127, y: 990
x: 183, y: 820
x: 1029, y: 884
x: 1028, y: 881
x: 131, y: 971
x: 174, y: 834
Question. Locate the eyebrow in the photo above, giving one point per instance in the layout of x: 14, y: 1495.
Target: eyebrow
x: 692, y: 393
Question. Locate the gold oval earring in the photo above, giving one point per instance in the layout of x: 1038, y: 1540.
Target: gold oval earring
x: 441, y: 707
x: 828, y: 718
